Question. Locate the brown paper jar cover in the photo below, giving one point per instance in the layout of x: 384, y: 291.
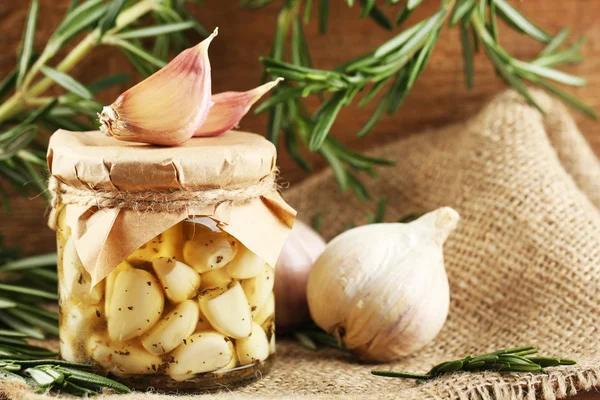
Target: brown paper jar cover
x: 118, y: 195
x: 93, y: 160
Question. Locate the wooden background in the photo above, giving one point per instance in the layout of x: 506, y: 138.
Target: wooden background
x: 439, y: 97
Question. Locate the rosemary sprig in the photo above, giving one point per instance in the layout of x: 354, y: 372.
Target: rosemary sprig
x: 28, y: 113
x: 25, y: 284
x: 58, y: 375
x: 309, y: 336
x: 393, y: 68
x: 518, y: 359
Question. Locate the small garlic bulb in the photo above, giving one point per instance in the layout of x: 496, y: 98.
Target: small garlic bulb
x: 297, y: 257
x: 382, y: 289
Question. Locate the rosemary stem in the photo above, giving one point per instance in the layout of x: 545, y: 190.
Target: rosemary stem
x: 12, y: 106
x: 395, y: 374
x: 17, y: 102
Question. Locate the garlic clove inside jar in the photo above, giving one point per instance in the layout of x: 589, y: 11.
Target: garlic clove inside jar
x: 166, y: 244
x: 259, y: 288
x: 209, y: 250
x: 201, y: 352
x: 172, y: 329
x: 76, y: 281
x: 136, y: 305
x: 245, y: 265
x: 215, y: 278
x: 227, y: 310
x: 253, y: 348
x: 180, y: 282
x: 266, y: 311
x: 122, y: 358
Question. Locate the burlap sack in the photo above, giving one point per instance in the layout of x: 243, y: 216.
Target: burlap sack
x: 524, y: 264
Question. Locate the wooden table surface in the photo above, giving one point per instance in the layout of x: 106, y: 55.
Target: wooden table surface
x: 439, y: 97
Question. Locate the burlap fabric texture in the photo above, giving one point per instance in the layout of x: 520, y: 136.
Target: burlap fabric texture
x: 524, y: 264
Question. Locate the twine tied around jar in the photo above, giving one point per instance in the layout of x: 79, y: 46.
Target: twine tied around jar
x: 152, y: 201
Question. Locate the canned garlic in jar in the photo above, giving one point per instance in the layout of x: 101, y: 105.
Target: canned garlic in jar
x: 166, y: 257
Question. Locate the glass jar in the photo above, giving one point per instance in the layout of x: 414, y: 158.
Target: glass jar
x: 190, y: 309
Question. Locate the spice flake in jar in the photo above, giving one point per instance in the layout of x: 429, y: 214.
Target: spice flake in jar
x: 190, y: 309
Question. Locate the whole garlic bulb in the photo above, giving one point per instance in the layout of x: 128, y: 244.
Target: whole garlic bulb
x: 382, y: 289
x: 297, y: 257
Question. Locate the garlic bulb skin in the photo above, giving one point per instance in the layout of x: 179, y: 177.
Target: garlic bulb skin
x: 382, y: 289
x: 297, y: 257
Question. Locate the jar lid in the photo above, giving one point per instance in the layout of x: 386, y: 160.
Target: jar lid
x: 91, y: 160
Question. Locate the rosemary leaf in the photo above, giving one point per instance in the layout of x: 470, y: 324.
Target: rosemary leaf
x: 67, y: 82
x: 84, y: 16
x: 563, y: 57
x: 373, y: 91
x: 467, y: 55
x: 6, y: 303
x: 325, y: 121
x: 109, y: 18
x: 274, y: 123
x: 46, y: 326
x: 4, y: 287
x: 20, y: 326
x: 141, y: 66
x: 360, y: 191
x: 569, y: 99
x: 398, y: 91
x: 8, y: 82
x: 75, y: 13
x: 27, y: 42
x: 410, y: 6
x: 151, y: 31
x: 7, y: 333
x: 398, y: 41
x: 462, y: 8
x: 375, y: 13
x: 30, y: 262
x: 374, y: 118
x: 307, y: 9
x: 83, y: 377
x: 45, y: 274
x: 323, y: 15
x: 379, y: 215
x: 316, y: 222
x: 43, y: 378
x: 514, y: 80
x: 336, y: 166
x: 367, y: 7
x: 403, y: 15
x: 556, y: 42
x: 521, y: 22
x: 291, y: 143
x: 135, y: 50
x: 20, y: 136
x: 42, y: 312
x: 305, y: 341
x: 550, y: 73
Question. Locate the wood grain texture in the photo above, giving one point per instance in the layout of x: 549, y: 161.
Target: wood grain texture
x: 439, y: 97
